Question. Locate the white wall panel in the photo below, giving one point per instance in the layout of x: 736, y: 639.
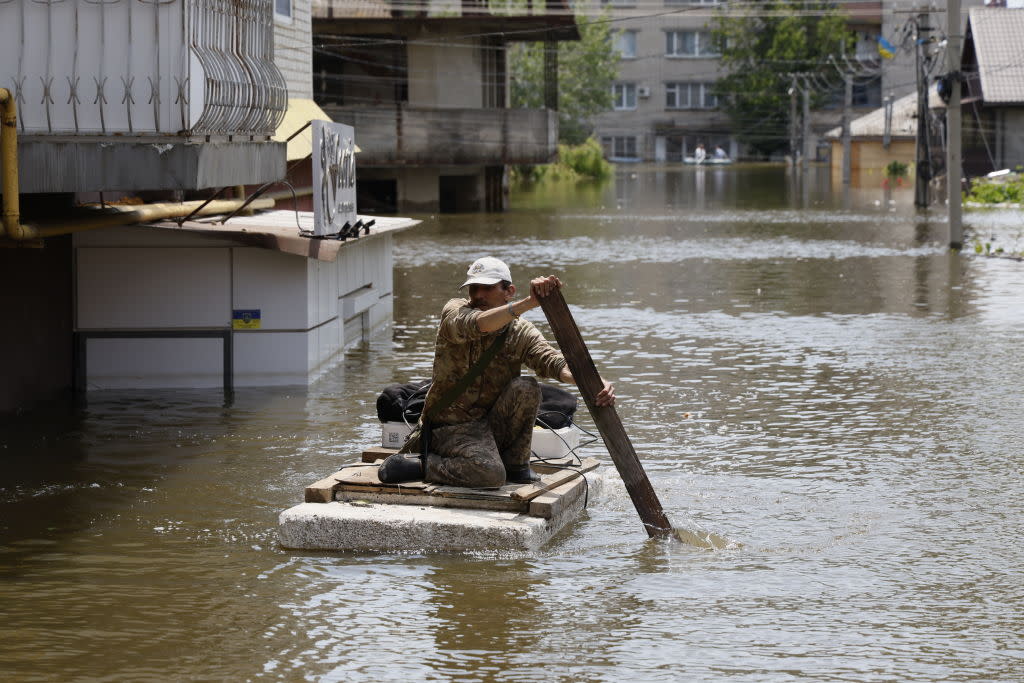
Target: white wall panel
x: 152, y: 363
x: 276, y: 284
x: 322, y: 304
x: 147, y: 288
x: 381, y: 315
x: 271, y: 358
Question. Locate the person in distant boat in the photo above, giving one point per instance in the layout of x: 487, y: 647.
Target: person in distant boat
x: 720, y: 153
x: 700, y: 154
x: 482, y: 438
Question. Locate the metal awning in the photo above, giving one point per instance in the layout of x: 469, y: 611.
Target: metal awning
x: 298, y: 115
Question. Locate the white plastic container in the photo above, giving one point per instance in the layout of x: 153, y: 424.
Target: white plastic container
x: 394, y: 434
x: 548, y: 443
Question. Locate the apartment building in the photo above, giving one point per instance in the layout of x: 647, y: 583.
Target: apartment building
x: 663, y: 103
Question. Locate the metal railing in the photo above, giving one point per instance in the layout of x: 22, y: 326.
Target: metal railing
x: 142, y: 67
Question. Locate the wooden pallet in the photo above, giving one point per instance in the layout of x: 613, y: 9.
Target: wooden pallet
x: 557, y: 489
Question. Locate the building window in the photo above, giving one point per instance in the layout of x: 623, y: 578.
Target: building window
x: 689, y: 44
x: 620, y: 147
x: 624, y: 95
x: 690, y: 96
x: 693, y: 2
x: 283, y: 8
x: 625, y: 44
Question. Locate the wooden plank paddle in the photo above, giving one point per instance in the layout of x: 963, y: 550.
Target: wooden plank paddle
x: 620, y: 448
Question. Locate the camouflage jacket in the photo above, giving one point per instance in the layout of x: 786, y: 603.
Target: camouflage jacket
x: 458, y: 346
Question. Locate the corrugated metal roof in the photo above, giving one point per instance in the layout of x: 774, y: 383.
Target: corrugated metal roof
x: 998, y: 34
x: 904, y: 119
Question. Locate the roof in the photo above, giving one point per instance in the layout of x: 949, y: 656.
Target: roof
x: 904, y: 119
x: 996, y: 35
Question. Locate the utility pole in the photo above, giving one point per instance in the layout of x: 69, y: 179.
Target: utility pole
x: 792, y: 120
x: 847, y: 103
x: 923, y: 168
x: 807, y: 125
x: 953, y: 151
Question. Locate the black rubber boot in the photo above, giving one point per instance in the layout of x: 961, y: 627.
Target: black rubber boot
x: 401, y: 467
x: 522, y: 476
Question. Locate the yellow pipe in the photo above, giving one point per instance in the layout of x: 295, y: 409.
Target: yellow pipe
x: 9, y: 164
x: 284, y: 195
x: 141, y: 213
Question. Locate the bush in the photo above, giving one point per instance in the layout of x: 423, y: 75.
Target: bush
x: 585, y: 160
x: 1002, y: 190
x: 575, y: 162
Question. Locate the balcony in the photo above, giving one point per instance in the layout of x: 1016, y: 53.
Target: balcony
x: 401, y: 135
x: 116, y: 95
x: 553, y: 19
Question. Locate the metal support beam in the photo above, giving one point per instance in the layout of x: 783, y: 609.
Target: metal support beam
x: 551, y: 75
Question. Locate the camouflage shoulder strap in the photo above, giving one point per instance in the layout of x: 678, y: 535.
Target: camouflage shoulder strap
x: 478, y: 367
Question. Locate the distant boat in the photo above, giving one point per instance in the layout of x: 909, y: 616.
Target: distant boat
x: 709, y: 161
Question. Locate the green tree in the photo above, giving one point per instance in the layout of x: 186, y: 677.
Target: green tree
x: 586, y: 70
x: 760, y: 48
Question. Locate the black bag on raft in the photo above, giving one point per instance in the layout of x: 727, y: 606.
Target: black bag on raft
x: 404, y: 403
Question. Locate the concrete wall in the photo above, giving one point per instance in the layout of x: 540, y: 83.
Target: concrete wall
x: 35, y: 304
x: 424, y: 136
x: 293, y: 49
x: 138, y: 278
x: 450, y: 76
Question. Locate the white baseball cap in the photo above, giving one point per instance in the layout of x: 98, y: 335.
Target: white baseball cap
x: 487, y: 271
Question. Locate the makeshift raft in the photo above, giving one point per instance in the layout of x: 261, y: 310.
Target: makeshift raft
x: 353, y: 510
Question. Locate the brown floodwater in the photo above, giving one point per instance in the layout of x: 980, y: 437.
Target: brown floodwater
x: 810, y: 374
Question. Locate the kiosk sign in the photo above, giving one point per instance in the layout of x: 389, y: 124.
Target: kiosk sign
x: 334, y: 178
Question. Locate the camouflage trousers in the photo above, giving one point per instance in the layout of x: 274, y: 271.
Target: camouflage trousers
x: 476, y: 454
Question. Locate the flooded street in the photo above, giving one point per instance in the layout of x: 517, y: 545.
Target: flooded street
x: 810, y: 375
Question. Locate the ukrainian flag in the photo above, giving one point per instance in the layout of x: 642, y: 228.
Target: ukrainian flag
x: 885, y: 48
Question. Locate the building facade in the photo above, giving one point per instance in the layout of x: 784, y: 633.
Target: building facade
x: 426, y: 87
x: 663, y: 100
x: 663, y: 105
x: 121, y: 119
x: 993, y: 91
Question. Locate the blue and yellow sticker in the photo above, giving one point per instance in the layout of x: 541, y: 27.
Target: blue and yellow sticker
x: 245, y: 319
